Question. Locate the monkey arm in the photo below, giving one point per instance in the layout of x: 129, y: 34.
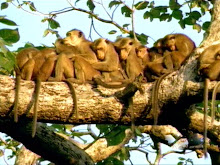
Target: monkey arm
x: 105, y: 66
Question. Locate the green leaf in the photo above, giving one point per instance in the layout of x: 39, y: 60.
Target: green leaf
x: 53, y: 24
x: 206, y: 25
x: 7, y: 22
x: 197, y: 27
x: 142, y: 38
x: 164, y: 17
x: 155, y: 12
x: 189, y: 21
x: 112, y: 32
x: 147, y: 15
x: 195, y: 14
x: 125, y: 25
x: 113, y: 133
x: 181, y: 158
x: 182, y: 24
x: 10, y: 36
x: 141, y: 5
x: 4, y: 5
x: 177, y: 14
x: 1, y: 153
x: 126, y: 11
x: 114, y: 3
x: 174, y: 5
x: 205, y: 6
x: 32, y: 7
x: 30, y: 4
x: 91, y: 5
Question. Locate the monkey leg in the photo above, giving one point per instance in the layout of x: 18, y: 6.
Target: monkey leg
x: 167, y: 60
x: 60, y: 66
x: 27, y: 70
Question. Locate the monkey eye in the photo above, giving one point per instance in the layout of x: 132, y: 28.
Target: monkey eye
x: 130, y: 43
x: 68, y: 34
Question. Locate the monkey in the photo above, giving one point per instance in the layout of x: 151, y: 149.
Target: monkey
x: 128, y: 57
x: 37, y: 65
x: 208, y: 57
x: 69, y: 61
x: 159, y: 64
x: 143, y: 55
x: 76, y: 39
x: 108, y: 62
x: 175, y: 48
x: 181, y: 46
x: 209, y: 67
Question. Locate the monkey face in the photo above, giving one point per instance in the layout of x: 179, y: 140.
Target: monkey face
x: 100, y: 54
x: 170, y: 42
x: 73, y: 37
x: 124, y: 54
x: 142, y: 52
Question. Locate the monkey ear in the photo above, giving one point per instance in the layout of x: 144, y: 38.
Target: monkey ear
x: 80, y: 34
x: 107, y: 41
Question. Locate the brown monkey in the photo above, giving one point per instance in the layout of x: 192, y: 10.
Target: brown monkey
x: 209, y: 67
x: 181, y: 46
x: 108, y: 58
x: 143, y: 55
x: 128, y: 56
x: 71, y: 65
x: 81, y: 45
x: 37, y: 65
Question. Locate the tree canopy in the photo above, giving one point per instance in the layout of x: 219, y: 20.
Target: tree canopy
x: 110, y: 141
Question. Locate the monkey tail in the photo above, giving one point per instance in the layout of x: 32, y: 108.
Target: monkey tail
x: 17, y: 90
x: 73, y: 93
x: 37, y: 92
x: 205, y: 95
x: 155, y: 91
x: 213, y: 108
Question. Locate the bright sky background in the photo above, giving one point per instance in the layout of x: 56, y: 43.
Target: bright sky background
x: 31, y: 30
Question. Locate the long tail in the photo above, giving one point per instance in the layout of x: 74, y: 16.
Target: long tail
x: 206, y: 99
x: 155, y: 106
x: 73, y: 93
x: 36, y: 102
x: 17, y: 90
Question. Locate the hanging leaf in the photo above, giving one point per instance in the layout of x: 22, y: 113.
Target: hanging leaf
x: 53, y: 24
x: 197, y: 27
x: 174, y: 5
x: 177, y: 14
x: 205, y: 25
x: 10, y: 36
x: 126, y: 11
x: 114, y: 3
x: 7, y: 22
x: 4, y: 5
x: 112, y: 32
x: 141, y: 5
x: 91, y: 5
